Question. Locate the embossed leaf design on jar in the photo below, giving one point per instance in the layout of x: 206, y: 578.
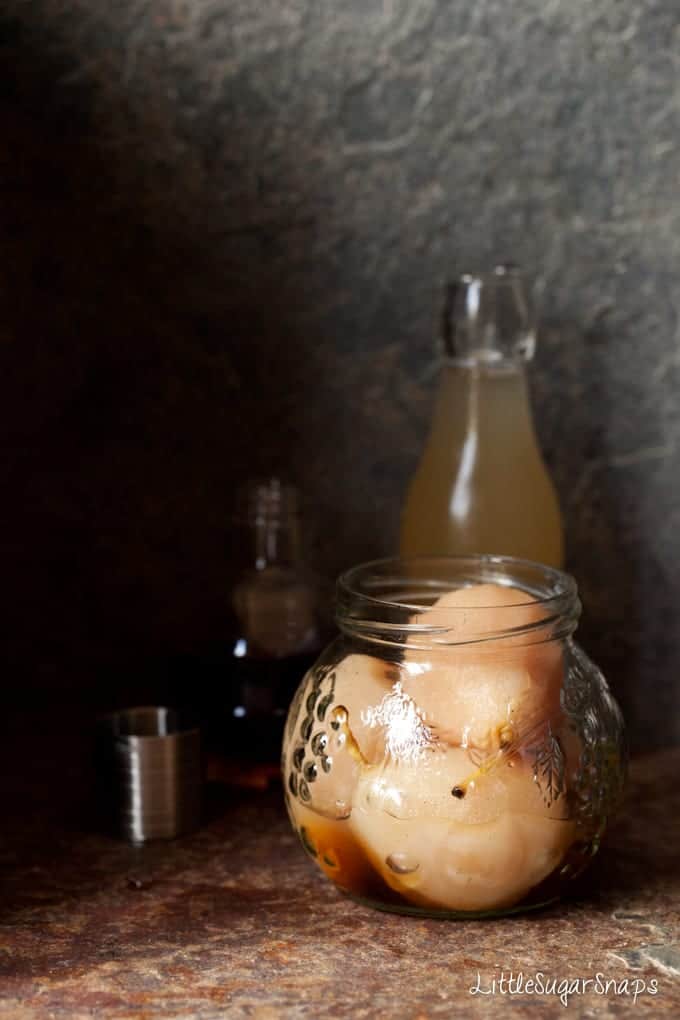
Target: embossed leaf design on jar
x: 453, y: 752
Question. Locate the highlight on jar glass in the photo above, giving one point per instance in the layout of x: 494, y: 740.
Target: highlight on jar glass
x: 453, y: 752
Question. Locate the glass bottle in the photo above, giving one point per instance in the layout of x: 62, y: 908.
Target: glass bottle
x: 482, y: 485
x: 275, y: 624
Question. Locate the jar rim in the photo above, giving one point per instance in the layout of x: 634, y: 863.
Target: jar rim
x: 378, y: 600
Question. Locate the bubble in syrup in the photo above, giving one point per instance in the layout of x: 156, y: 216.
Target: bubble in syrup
x: 401, y: 863
x: 338, y: 717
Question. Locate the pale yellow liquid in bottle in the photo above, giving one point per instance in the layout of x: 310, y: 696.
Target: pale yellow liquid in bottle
x: 481, y: 485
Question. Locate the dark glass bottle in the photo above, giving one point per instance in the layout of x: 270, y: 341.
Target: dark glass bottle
x: 275, y: 626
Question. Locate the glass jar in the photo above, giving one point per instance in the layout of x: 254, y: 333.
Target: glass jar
x: 453, y: 752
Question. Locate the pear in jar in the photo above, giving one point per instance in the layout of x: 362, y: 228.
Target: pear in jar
x: 333, y: 736
x: 445, y: 836
x: 481, y: 692
x: 458, y: 820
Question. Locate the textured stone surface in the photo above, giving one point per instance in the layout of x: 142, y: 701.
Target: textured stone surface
x: 235, y: 921
x: 225, y: 228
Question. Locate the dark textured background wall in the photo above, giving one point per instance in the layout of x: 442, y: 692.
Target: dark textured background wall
x: 225, y: 226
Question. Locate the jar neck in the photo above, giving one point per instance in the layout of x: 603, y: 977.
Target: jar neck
x: 392, y: 603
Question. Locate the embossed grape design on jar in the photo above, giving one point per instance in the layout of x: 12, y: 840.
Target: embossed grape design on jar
x: 453, y: 753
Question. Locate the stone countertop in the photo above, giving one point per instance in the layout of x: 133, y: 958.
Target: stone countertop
x: 235, y: 921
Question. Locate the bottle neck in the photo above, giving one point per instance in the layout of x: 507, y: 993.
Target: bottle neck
x: 268, y: 533
x: 274, y: 597
x: 488, y: 319
x: 275, y: 543
x: 483, y: 398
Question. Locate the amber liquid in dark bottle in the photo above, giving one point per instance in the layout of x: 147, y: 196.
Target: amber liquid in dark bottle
x: 275, y: 631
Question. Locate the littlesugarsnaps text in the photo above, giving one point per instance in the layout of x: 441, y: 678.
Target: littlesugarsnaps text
x: 511, y: 983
